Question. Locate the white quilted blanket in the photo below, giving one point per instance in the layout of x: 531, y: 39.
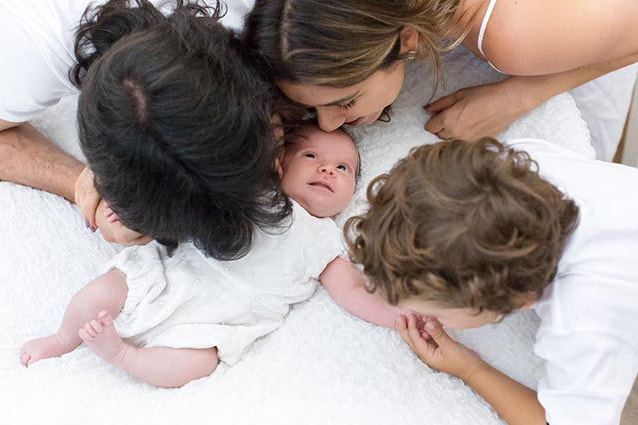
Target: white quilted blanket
x: 322, y: 366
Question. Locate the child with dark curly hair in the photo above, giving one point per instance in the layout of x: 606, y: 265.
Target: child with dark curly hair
x: 468, y: 232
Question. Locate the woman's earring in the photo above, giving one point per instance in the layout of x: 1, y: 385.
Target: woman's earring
x: 411, y: 55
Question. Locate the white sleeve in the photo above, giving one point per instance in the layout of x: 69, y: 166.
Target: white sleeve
x: 28, y: 82
x: 589, y: 377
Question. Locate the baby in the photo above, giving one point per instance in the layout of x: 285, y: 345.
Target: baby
x: 169, y: 319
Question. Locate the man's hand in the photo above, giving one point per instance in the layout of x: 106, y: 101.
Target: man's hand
x: 114, y: 231
x: 86, y: 197
x: 436, y: 349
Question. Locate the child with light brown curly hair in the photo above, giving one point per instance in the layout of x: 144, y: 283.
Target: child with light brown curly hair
x: 468, y: 232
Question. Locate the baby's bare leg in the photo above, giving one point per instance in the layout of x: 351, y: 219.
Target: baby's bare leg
x: 161, y: 366
x: 107, y: 292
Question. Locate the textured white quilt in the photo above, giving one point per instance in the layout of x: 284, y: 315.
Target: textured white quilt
x: 322, y: 366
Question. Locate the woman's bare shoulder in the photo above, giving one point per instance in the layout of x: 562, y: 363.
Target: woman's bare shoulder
x: 533, y: 37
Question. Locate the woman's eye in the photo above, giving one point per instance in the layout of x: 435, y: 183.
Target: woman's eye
x: 348, y: 105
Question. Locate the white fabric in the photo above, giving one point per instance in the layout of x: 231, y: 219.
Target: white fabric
x: 604, y: 104
x: 37, y: 51
x: 321, y: 366
x: 187, y: 300
x: 588, y: 333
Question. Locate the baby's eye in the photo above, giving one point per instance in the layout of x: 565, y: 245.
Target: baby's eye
x: 342, y: 167
x: 310, y: 155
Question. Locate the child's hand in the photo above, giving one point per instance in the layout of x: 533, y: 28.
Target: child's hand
x: 420, y: 321
x: 436, y: 349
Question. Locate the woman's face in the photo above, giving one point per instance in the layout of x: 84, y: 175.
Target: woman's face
x: 359, y: 104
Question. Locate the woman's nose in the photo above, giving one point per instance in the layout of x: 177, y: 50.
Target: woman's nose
x: 329, y: 119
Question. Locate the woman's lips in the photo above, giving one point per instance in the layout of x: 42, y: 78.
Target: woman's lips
x: 355, y: 122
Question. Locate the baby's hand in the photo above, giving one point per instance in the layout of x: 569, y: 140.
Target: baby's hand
x: 436, y: 349
x: 420, y: 321
x: 109, y: 214
x: 87, y: 198
x: 113, y: 230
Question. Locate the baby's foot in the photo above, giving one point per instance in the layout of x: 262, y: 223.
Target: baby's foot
x: 44, y: 348
x: 100, y: 336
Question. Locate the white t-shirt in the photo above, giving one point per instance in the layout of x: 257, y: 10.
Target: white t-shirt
x: 589, y: 315
x: 37, y: 51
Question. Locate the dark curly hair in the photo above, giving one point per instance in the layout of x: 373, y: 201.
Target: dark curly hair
x: 175, y: 125
x: 463, y: 224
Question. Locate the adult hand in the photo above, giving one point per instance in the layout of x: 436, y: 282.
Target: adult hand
x: 480, y: 111
x: 114, y: 231
x: 86, y: 197
x: 439, y: 351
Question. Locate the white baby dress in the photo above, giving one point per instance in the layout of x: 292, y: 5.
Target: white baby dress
x: 188, y: 300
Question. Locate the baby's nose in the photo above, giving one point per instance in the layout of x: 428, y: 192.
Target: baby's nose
x: 326, y: 169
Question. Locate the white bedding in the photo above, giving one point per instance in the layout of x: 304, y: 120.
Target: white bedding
x: 322, y: 366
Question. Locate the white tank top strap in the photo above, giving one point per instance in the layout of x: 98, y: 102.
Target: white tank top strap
x: 486, y: 20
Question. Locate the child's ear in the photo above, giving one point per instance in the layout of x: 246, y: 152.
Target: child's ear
x: 527, y: 300
x: 278, y: 167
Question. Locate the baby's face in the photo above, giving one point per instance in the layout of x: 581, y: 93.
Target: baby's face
x: 319, y: 171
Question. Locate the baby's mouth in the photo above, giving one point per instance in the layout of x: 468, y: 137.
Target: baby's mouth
x: 322, y: 185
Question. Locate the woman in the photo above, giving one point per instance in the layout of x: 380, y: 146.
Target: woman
x: 346, y: 58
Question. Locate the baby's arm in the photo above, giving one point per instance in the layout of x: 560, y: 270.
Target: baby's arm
x: 345, y: 285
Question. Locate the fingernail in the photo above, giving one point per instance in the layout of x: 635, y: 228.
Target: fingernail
x: 430, y: 325
x: 93, y: 228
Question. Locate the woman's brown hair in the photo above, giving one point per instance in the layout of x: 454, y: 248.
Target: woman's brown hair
x: 463, y: 224
x: 339, y: 43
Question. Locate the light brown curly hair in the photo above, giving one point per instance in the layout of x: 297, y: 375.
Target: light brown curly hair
x: 463, y: 224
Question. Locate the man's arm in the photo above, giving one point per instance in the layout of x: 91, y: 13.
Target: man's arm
x: 29, y: 158
x: 344, y: 283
